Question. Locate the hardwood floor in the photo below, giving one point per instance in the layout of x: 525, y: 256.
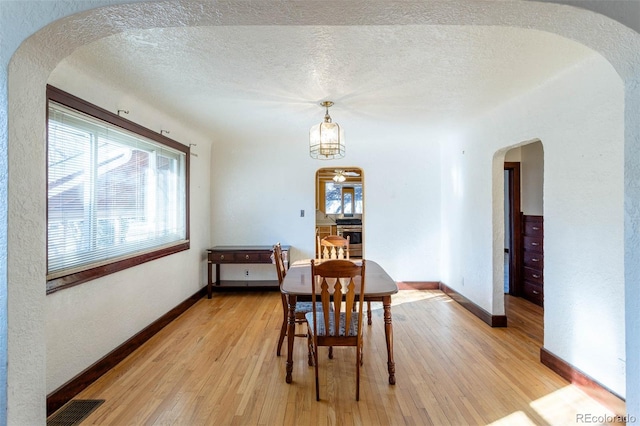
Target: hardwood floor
x: 217, y: 365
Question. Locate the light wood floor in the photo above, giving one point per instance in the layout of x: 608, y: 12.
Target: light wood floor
x: 217, y: 365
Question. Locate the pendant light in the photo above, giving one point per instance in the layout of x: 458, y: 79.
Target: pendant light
x: 326, y: 140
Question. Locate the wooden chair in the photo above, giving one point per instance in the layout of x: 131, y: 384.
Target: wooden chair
x: 337, y: 247
x: 301, y: 307
x: 334, y: 282
x: 333, y: 247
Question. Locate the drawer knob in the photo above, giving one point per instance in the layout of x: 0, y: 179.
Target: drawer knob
x: 246, y: 257
x: 222, y: 257
x: 536, y: 276
x: 535, y: 244
x: 536, y: 292
x: 535, y: 228
x: 535, y: 259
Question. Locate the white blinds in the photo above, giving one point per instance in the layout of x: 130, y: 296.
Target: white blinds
x: 111, y: 193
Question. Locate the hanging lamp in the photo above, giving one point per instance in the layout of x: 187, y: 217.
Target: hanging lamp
x: 326, y: 140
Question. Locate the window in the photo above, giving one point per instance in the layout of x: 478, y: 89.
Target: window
x: 343, y: 198
x: 117, y: 193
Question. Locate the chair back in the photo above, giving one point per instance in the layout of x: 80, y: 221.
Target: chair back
x: 279, y: 261
x: 338, y: 284
x: 333, y: 247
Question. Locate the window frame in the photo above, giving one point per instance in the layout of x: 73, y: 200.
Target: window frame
x: 127, y: 261
x: 350, y: 188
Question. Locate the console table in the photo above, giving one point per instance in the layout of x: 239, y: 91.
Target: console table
x: 240, y: 255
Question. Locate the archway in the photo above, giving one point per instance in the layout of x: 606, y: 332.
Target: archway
x: 38, y: 55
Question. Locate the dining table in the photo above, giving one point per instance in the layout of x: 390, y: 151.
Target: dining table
x: 379, y: 287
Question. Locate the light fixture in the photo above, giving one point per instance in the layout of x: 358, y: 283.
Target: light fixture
x: 339, y: 176
x: 326, y: 140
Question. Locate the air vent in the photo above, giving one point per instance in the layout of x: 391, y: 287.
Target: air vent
x: 74, y: 412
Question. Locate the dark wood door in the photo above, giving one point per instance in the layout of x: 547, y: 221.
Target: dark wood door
x: 513, y: 222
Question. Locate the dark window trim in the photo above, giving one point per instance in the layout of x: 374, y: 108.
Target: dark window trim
x: 73, y: 279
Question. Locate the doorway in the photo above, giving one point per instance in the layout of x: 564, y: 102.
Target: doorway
x: 340, y: 206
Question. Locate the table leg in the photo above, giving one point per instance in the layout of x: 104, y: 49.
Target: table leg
x: 291, y: 335
x: 388, y: 333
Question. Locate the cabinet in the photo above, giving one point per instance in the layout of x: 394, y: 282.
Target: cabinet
x: 533, y: 259
x: 221, y: 255
x: 326, y: 230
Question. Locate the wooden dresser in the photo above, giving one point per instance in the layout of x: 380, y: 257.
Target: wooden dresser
x: 533, y: 259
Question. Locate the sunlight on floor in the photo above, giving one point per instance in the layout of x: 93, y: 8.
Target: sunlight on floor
x: 568, y: 405
x: 408, y: 296
x: 516, y: 418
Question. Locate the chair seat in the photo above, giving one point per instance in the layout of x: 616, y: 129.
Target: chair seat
x: 353, y: 329
x: 304, y: 307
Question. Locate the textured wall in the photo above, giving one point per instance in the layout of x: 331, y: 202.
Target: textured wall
x: 532, y: 178
x: 89, y: 316
x: 583, y: 143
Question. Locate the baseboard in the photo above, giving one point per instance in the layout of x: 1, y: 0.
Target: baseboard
x: 418, y: 285
x: 492, y: 320
x: 66, y: 392
x: 589, y: 386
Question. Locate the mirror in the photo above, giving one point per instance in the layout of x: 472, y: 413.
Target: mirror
x: 340, y: 205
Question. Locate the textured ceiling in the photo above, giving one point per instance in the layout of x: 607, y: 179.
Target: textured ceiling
x: 225, y: 76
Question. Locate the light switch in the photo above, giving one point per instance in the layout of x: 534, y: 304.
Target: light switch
x: 301, y: 213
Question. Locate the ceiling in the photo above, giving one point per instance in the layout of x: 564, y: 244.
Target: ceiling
x: 224, y: 78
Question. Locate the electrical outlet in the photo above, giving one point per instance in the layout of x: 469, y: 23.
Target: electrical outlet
x: 246, y: 272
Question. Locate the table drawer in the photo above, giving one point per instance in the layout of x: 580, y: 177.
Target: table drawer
x: 247, y: 257
x: 221, y: 257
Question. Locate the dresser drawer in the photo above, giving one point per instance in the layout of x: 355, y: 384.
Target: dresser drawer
x: 533, y: 275
x: 533, y: 259
x: 533, y: 228
x: 533, y: 244
x: 533, y: 292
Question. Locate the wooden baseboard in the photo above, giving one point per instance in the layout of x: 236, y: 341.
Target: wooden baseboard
x: 589, y: 386
x: 66, y: 392
x: 492, y: 320
x: 418, y: 285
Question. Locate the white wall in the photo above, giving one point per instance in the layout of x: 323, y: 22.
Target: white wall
x: 532, y: 178
x: 258, y: 192
x: 579, y: 119
x: 99, y: 315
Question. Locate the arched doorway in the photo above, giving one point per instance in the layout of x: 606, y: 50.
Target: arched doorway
x: 340, y: 206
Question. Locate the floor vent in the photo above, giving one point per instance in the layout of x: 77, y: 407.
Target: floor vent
x: 74, y: 412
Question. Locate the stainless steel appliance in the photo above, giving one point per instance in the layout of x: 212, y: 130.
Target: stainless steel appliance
x: 352, y: 228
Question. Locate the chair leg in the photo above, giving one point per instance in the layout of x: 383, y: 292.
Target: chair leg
x: 330, y: 352
x: 369, y: 312
x: 314, y: 349
x: 283, y: 332
x: 358, y: 362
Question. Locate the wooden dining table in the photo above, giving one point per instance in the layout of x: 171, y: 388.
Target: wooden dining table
x: 379, y: 287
